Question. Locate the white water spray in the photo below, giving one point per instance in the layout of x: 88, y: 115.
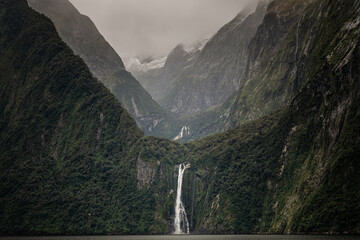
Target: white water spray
x: 181, y: 223
x: 185, y: 131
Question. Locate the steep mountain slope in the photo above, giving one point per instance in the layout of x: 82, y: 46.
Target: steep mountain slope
x: 147, y: 113
x: 64, y: 137
x: 81, y: 34
x: 73, y: 161
x: 215, y: 73
x: 279, y: 59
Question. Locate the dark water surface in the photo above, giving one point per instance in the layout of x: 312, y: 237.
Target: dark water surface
x: 193, y: 237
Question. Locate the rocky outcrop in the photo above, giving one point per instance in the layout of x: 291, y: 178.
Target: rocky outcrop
x: 145, y: 174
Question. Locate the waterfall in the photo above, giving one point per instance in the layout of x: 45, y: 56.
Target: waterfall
x: 185, y: 131
x: 181, y: 223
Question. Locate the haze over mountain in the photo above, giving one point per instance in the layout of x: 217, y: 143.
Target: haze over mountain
x: 74, y: 162
x: 152, y: 28
x: 82, y: 36
x: 158, y: 76
x: 202, y: 79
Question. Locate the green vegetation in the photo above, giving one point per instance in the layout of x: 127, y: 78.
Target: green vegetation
x: 64, y: 139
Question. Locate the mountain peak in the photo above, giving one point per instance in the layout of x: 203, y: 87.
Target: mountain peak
x: 141, y: 65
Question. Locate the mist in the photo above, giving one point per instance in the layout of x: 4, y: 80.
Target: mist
x: 154, y: 27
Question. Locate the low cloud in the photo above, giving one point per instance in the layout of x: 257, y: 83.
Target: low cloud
x: 154, y: 27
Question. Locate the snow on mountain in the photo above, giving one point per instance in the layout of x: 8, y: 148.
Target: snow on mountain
x: 137, y: 64
x: 198, y: 46
x: 145, y: 64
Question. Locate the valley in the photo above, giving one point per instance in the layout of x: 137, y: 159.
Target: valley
x: 267, y: 135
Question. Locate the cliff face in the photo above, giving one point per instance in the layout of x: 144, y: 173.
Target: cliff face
x: 215, y: 73
x: 329, y: 103
x: 279, y: 59
x: 278, y: 62
x: 82, y: 36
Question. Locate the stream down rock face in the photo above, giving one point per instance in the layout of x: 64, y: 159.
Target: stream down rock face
x: 145, y: 174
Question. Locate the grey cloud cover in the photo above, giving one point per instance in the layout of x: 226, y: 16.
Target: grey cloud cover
x: 154, y: 27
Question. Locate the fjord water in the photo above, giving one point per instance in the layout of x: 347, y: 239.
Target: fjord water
x: 181, y: 223
x: 192, y: 237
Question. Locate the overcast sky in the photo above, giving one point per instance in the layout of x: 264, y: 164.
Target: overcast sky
x: 154, y: 27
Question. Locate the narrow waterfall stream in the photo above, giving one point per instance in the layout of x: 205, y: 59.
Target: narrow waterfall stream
x: 181, y: 223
